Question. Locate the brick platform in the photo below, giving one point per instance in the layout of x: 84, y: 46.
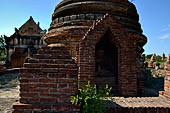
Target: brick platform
x: 47, y: 81
x: 140, y: 105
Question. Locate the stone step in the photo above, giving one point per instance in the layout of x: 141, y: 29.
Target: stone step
x: 53, y: 52
x: 51, y: 61
x: 45, y: 65
x: 55, y: 106
x: 59, y: 47
x: 51, y: 56
x: 48, y: 70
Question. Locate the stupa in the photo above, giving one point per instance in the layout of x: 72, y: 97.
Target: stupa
x: 104, y: 37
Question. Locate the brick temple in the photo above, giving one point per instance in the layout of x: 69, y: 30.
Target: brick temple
x: 105, y: 39
x: 100, y: 41
x: 23, y: 43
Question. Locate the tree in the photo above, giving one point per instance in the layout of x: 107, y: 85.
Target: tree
x: 2, y: 49
x: 148, y: 57
x: 2, y: 42
x: 158, y: 58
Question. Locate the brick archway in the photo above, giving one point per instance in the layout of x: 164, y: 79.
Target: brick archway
x: 127, y: 83
x: 106, y: 62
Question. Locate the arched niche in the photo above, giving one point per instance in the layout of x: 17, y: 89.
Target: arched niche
x: 106, y: 59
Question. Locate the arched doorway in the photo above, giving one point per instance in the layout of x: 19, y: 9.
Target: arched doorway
x: 106, y: 58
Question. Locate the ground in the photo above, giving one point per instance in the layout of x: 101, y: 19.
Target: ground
x: 9, y: 92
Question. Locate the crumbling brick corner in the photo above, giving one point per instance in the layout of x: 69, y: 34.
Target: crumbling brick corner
x: 47, y: 81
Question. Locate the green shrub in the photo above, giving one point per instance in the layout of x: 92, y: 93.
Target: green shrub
x: 3, y: 58
x: 91, y: 100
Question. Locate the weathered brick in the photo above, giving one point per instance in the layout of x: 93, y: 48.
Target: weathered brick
x: 48, y: 100
x: 24, y: 80
x: 57, y: 75
x: 38, y: 90
x: 32, y: 60
x: 46, y: 95
x: 62, y: 85
x: 29, y: 95
x: 41, y: 75
x: 47, y: 81
x: 32, y: 65
x: 46, y: 70
x: 49, y: 85
x: 65, y: 80
x: 29, y: 85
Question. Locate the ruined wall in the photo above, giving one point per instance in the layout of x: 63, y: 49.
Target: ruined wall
x: 47, y: 81
x: 166, y: 91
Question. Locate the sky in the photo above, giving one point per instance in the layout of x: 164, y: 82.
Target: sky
x: 154, y: 18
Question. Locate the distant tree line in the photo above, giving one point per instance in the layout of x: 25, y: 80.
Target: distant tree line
x: 158, y: 58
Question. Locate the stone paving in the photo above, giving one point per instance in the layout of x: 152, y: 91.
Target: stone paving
x: 135, y: 102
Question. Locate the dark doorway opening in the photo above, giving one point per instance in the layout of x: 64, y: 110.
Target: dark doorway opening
x: 106, y: 56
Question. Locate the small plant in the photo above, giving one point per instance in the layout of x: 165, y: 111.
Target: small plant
x: 91, y: 100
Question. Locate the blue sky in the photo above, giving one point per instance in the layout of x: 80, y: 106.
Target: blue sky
x: 154, y: 18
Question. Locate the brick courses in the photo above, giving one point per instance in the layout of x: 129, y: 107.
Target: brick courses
x: 126, y: 64
x: 166, y: 91
x: 47, y: 86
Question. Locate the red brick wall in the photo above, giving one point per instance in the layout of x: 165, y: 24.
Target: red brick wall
x: 47, y: 81
x: 127, y: 81
x: 167, y: 81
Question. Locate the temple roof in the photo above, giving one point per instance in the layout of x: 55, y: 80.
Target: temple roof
x: 30, y: 28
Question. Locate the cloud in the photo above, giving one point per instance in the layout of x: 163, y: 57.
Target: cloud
x: 168, y: 25
x: 165, y: 36
x: 166, y: 28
